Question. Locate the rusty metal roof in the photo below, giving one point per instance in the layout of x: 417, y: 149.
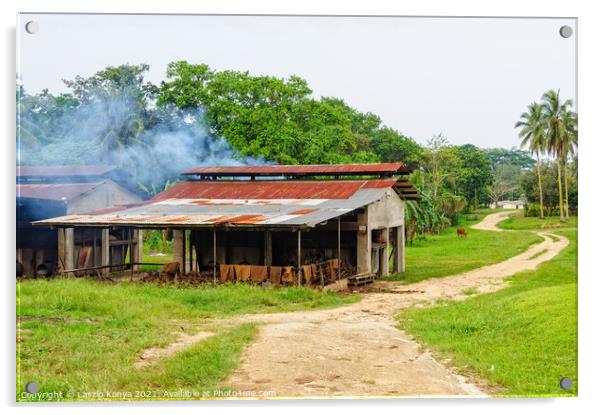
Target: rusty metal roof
x: 63, y: 171
x: 274, y: 189
x: 208, y: 213
x: 54, y: 191
x: 256, y: 203
x: 301, y: 170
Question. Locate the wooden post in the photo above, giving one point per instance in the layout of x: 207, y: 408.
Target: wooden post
x: 339, y: 248
x: 139, y: 240
x: 69, y: 250
x: 131, y: 248
x: 105, y: 256
x: 190, y: 252
x: 183, y: 252
x: 214, y: 257
x: 299, y: 258
x: 398, y: 250
x: 267, y: 248
x: 384, y: 259
x: 94, y: 244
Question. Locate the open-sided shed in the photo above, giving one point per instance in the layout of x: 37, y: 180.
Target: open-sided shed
x: 274, y: 216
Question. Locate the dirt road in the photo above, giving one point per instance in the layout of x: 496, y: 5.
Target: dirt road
x: 356, y: 350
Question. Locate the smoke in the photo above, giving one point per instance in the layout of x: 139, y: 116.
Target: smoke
x: 150, y: 146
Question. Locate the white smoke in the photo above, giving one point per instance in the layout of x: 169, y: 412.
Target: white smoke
x: 108, y: 130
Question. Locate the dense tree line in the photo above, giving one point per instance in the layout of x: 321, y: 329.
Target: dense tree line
x: 202, y: 116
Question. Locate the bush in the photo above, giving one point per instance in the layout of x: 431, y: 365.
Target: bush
x: 532, y: 210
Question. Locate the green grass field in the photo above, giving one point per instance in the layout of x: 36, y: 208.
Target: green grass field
x: 545, y: 224
x: 446, y: 254
x: 78, y: 335
x: 523, y: 339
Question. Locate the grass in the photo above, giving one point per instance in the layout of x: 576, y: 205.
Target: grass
x: 470, y: 291
x: 523, y: 339
x: 446, y: 254
x: 79, y: 336
x: 549, y: 223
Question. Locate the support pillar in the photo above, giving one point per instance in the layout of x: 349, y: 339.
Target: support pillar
x: 69, y: 251
x: 267, y: 248
x: 364, y: 244
x: 398, y: 250
x: 105, y: 250
x: 214, y: 256
x: 299, y: 258
x: 178, y: 245
x: 339, y: 248
x: 27, y: 257
x: 137, y: 249
x: 39, y: 258
x: 384, y: 255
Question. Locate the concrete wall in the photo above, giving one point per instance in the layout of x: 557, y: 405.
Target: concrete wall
x: 384, y: 214
x: 387, y: 212
x: 105, y: 195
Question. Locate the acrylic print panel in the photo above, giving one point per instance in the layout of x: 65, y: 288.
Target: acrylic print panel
x: 268, y: 207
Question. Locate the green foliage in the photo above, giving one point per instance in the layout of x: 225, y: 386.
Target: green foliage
x: 473, y: 175
x: 549, y: 177
x: 277, y: 119
x: 521, y: 339
x: 512, y: 157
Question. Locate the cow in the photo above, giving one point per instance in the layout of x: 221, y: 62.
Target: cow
x: 172, y: 269
x: 461, y: 232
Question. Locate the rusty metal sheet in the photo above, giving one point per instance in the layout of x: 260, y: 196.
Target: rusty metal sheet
x: 54, y: 191
x: 208, y: 191
x: 295, y: 170
x: 63, y: 171
x: 171, y: 214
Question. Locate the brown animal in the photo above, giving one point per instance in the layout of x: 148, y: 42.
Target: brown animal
x: 461, y: 232
x: 172, y: 269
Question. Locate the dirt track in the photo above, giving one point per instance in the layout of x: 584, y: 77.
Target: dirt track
x: 356, y: 350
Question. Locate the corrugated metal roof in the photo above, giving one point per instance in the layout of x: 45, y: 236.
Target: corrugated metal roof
x: 54, y: 191
x: 192, y: 212
x: 261, y: 189
x: 58, y: 171
x: 300, y: 170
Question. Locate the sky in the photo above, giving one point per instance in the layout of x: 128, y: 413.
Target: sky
x: 467, y: 78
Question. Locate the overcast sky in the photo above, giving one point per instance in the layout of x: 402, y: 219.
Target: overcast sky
x: 467, y: 78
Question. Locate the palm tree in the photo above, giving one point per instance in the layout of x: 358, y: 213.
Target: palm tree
x: 533, y: 134
x: 553, y: 110
x: 569, y: 147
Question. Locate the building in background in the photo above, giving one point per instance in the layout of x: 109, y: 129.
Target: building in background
x: 48, y: 191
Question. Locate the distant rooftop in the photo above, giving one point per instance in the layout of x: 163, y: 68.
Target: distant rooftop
x: 63, y: 171
x: 54, y: 191
x: 383, y: 169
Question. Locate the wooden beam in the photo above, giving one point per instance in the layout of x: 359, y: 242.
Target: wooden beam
x: 105, y: 253
x: 267, y: 248
x: 214, y: 256
x: 299, y: 258
x: 339, y: 248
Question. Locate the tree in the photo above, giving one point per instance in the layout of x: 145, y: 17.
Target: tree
x: 390, y: 146
x: 569, y: 148
x: 473, y: 174
x: 554, y: 117
x: 529, y: 185
x: 439, y: 162
x: 505, y: 182
x: 119, y: 95
x: 513, y: 156
x: 533, y: 134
